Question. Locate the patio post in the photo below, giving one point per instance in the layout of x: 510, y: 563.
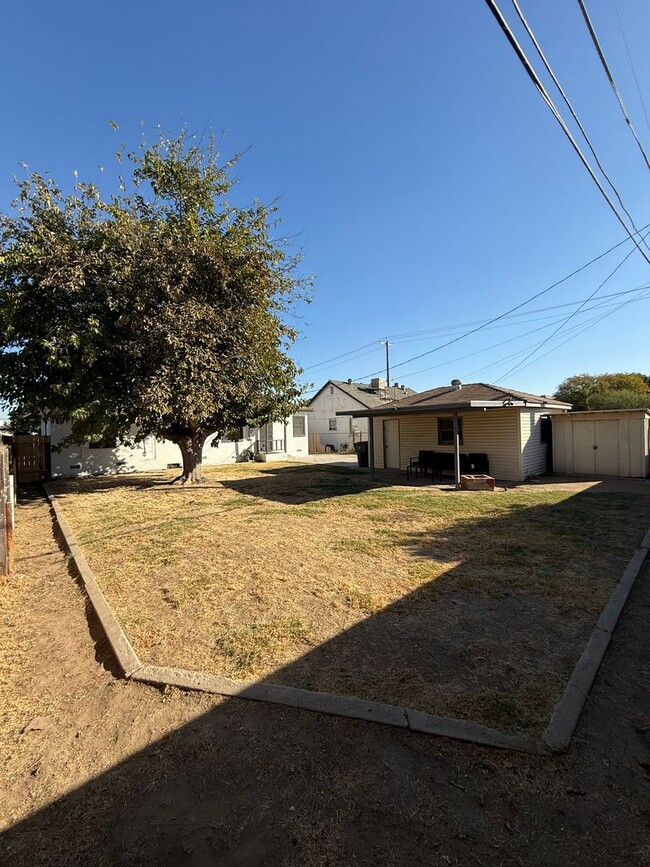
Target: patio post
x: 456, y: 450
x: 371, y: 445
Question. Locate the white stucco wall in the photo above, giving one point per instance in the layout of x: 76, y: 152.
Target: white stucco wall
x: 152, y: 454
x: 324, y: 407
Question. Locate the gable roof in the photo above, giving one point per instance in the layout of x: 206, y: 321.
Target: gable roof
x: 365, y: 394
x: 473, y: 395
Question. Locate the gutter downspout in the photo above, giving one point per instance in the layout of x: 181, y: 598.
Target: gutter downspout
x: 456, y: 451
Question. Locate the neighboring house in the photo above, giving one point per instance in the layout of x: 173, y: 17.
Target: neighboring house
x: 332, y: 424
x: 510, y: 427
x: 274, y: 441
x: 607, y: 442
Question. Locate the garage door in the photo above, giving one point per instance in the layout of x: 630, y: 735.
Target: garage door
x: 596, y: 448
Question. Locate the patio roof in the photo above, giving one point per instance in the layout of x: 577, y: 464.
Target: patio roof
x: 470, y: 396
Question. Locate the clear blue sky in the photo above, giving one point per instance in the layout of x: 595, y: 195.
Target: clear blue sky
x: 425, y: 181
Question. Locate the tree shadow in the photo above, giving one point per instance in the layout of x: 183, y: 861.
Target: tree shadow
x: 248, y: 783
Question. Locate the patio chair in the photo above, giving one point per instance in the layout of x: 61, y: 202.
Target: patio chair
x: 423, y: 463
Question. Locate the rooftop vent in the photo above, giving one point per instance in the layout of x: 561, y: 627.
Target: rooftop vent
x: 349, y: 382
x: 456, y: 384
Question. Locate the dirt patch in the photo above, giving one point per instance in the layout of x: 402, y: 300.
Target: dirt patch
x: 468, y: 605
x: 128, y: 775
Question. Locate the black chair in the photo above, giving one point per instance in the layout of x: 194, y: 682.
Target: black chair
x: 424, y: 462
x: 479, y: 463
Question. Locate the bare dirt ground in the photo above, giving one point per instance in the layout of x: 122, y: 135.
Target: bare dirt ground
x: 466, y: 605
x: 99, y: 771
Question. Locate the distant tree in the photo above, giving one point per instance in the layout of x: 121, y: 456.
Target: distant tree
x: 605, y: 391
x: 162, y: 308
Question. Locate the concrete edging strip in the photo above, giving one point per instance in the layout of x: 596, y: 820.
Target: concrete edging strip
x: 124, y: 653
x: 567, y: 711
x: 338, y: 705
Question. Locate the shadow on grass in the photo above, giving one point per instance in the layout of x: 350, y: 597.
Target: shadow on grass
x: 247, y: 783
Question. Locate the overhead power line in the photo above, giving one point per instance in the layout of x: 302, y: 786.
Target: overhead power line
x: 485, y: 324
x: 573, y: 332
x: 556, y: 114
x: 610, y: 77
x: 632, y: 67
x: 570, y: 316
x: 569, y: 105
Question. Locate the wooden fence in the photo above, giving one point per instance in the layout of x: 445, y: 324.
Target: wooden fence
x: 6, y: 511
x: 33, y: 458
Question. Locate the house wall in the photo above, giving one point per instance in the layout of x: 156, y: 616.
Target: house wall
x: 534, y: 452
x: 495, y: 432
x: 628, y: 457
x: 152, y: 454
x: 324, y: 407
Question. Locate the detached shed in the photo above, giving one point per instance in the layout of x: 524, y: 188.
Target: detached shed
x: 602, y: 443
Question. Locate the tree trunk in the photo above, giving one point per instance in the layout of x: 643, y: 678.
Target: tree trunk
x: 192, y: 450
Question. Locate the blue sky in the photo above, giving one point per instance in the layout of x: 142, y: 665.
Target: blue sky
x: 422, y: 176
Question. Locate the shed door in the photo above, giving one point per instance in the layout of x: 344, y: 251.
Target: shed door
x: 584, y: 461
x: 391, y: 443
x: 606, y: 451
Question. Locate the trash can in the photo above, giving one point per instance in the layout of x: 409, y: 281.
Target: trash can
x: 361, y: 448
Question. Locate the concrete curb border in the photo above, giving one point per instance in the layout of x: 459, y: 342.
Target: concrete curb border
x: 126, y: 656
x: 557, y: 736
x: 567, y: 711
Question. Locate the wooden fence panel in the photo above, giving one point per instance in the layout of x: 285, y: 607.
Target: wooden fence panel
x: 6, y: 512
x: 33, y: 458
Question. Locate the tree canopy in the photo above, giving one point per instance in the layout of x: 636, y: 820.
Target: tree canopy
x: 605, y: 391
x: 161, y: 308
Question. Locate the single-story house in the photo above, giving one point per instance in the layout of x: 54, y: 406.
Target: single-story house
x: 508, y: 426
x: 613, y: 442
x: 331, y: 422
x: 274, y: 441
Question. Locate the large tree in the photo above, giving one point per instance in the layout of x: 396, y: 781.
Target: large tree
x: 161, y: 309
x: 605, y: 391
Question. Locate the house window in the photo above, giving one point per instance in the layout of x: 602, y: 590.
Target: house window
x: 333, y: 425
x: 298, y: 425
x: 446, y: 431
x: 103, y: 443
x: 331, y: 389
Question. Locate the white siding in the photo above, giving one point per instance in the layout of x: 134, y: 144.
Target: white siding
x: 494, y: 432
x: 533, y: 450
x: 325, y: 406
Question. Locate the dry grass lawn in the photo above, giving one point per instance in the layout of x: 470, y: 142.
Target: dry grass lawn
x: 469, y: 605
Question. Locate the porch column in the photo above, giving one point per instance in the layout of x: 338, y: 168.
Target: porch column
x: 456, y: 450
x: 371, y: 445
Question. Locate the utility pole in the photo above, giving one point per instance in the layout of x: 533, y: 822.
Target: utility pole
x: 387, y: 344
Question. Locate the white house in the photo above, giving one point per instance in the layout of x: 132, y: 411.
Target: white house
x: 274, y: 441
x: 506, y: 432
x: 330, y: 424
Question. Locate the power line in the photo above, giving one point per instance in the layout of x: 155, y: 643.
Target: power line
x: 556, y: 114
x: 632, y: 67
x: 610, y: 77
x: 571, y: 315
x: 571, y: 109
x: 605, y: 301
x: 507, y: 312
x: 585, y: 327
x: 574, y: 332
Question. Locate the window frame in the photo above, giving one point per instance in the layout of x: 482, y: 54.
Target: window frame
x: 335, y: 422
x: 303, y: 421
x: 449, y: 432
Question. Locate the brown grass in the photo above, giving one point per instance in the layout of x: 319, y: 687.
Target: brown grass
x: 470, y: 605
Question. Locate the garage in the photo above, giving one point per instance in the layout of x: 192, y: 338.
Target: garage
x: 602, y: 443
